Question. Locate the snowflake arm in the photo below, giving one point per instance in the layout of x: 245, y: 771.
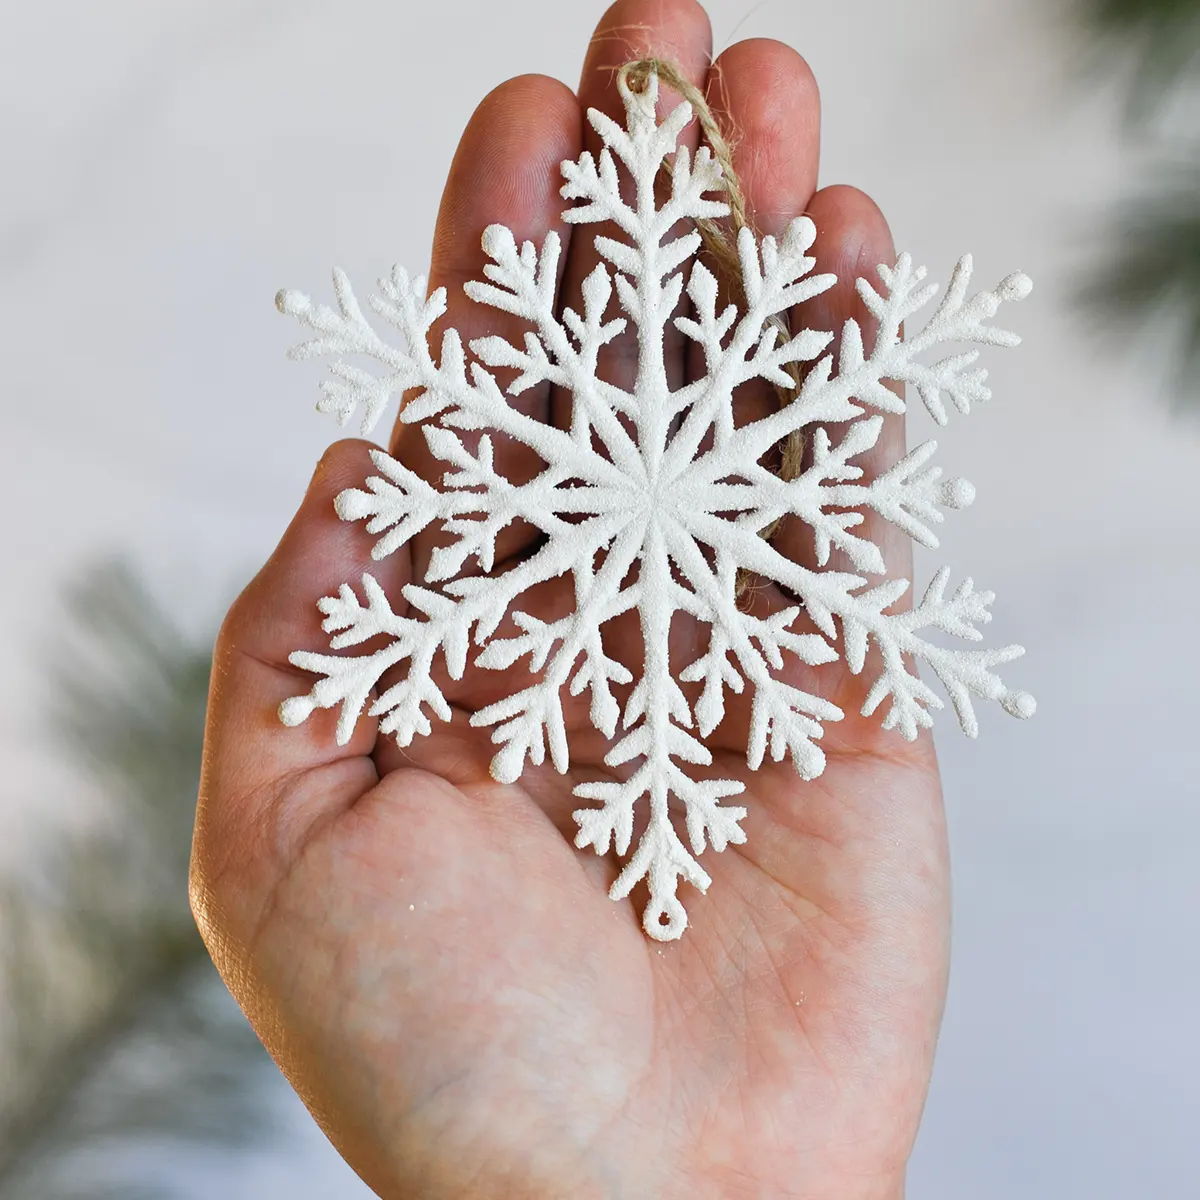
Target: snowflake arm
x: 523, y: 283
x: 910, y: 494
x: 348, y: 680
x: 533, y: 717
x: 400, y: 504
x: 827, y: 397
x: 463, y: 395
x: 781, y: 715
x: 658, y: 721
x: 641, y: 148
x: 774, y: 283
x: 828, y: 595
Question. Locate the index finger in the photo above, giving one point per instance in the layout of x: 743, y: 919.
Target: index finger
x: 505, y: 172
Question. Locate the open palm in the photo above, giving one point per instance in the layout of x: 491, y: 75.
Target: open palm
x: 434, y: 966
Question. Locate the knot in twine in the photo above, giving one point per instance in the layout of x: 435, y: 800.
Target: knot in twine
x: 721, y: 244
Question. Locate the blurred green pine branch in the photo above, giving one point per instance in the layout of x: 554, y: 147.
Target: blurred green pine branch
x: 114, y: 1025
x: 1150, y: 281
x: 1156, y: 41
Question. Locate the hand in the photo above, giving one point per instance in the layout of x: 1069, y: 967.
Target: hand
x: 435, y: 968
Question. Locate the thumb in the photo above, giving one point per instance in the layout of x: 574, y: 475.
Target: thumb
x: 265, y: 787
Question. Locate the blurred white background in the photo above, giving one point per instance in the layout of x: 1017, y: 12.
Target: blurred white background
x: 167, y: 167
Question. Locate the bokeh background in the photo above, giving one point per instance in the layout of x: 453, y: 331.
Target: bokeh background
x: 166, y: 167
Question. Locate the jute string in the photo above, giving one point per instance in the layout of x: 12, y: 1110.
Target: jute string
x: 721, y: 243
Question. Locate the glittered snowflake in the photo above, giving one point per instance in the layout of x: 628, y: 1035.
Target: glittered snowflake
x: 652, y: 502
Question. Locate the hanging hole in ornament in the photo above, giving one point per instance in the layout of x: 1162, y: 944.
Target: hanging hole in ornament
x: 665, y: 919
x: 633, y: 78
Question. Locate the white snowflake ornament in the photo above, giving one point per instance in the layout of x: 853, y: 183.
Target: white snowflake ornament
x: 652, y: 501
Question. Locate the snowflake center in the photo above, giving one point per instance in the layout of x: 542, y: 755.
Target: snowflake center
x: 660, y: 498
